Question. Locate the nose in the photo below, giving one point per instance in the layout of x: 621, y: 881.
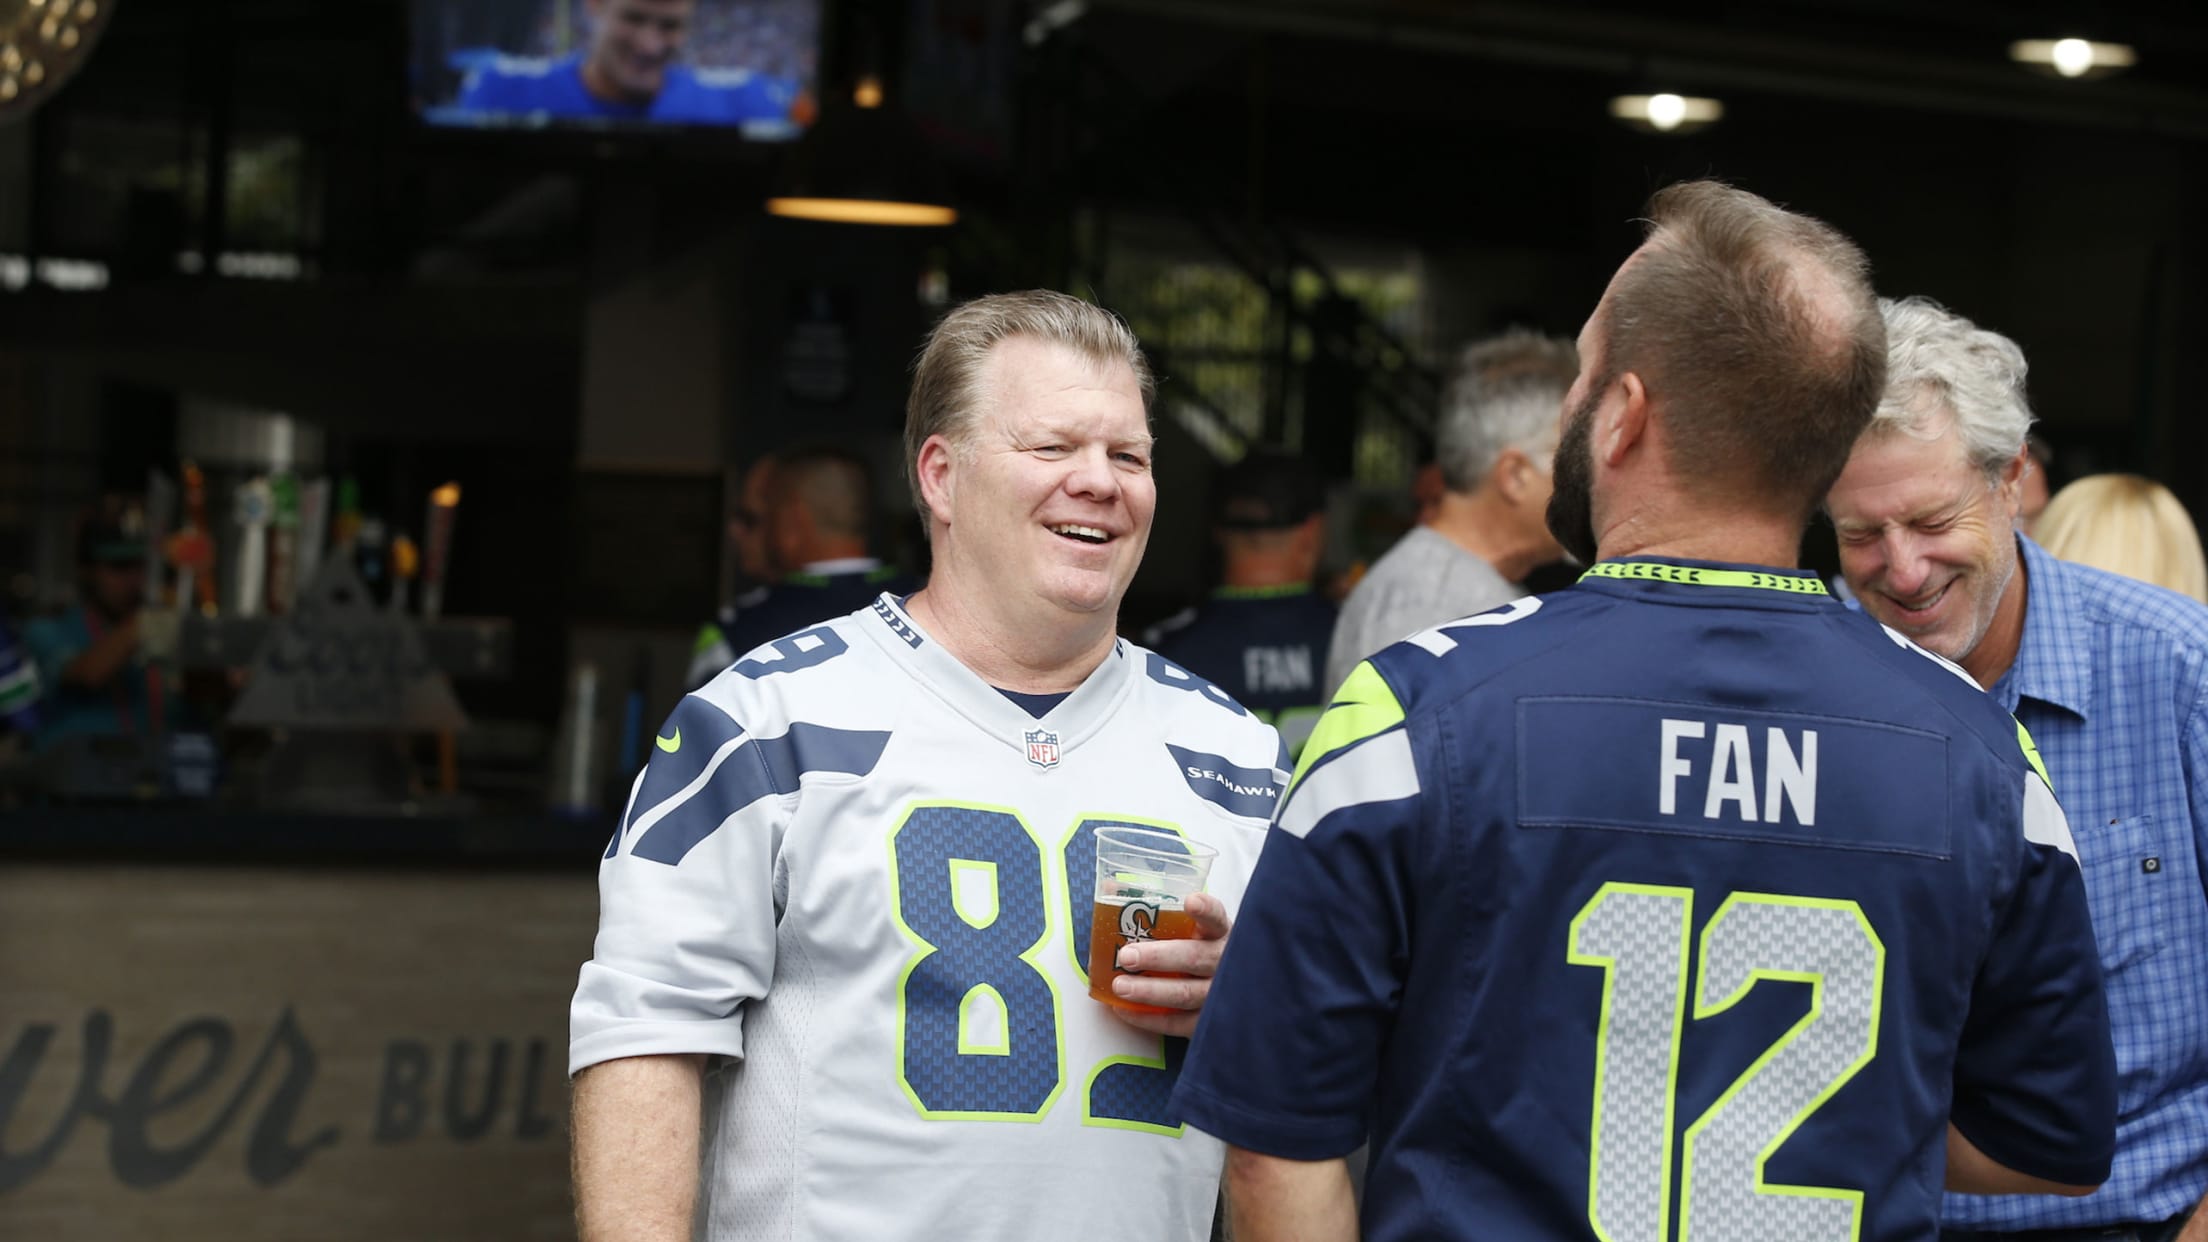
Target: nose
x: 1908, y: 569
x: 1092, y: 476
x: 654, y: 42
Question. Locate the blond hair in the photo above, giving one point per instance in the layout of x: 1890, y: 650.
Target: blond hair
x: 2127, y: 525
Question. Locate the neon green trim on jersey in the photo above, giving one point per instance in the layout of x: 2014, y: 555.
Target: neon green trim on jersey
x: 709, y: 637
x: 968, y: 1047
x: 1695, y: 575
x: 2031, y: 755
x: 1088, y: 1095
x: 1286, y: 590
x: 1032, y: 955
x: 1364, y: 707
x: 977, y: 919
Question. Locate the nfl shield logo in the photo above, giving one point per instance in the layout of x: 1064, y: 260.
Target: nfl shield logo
x: 1042, y: 748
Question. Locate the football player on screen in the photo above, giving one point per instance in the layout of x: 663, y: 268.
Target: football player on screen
x: 629, y: 69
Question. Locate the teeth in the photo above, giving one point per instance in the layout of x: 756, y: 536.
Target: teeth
x: 1080, y: 532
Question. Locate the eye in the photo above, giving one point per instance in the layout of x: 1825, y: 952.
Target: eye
x: 1138, y: 460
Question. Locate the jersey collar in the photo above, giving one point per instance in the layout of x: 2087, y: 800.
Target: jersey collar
x: 1285, y: 590
x: 1684, y: 573
x: 1079, y: 717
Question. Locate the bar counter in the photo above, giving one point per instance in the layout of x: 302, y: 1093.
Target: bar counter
x: 259, y: 1025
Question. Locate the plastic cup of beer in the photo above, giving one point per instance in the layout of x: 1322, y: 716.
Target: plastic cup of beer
x: 1144, y: 878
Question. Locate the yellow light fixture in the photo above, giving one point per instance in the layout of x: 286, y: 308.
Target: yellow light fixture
x: 863, y: 164
x: 43, y: 42
x: 2073, y: 58
x: 1666, y: 113
x: 864, y: 211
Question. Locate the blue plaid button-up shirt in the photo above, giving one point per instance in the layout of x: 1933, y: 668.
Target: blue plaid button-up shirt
x: 2112, y: 681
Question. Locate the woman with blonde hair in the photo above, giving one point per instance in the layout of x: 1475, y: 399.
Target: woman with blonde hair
x: 2129, y: 525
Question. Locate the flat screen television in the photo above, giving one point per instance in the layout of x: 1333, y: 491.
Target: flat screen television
x: 609, y: 64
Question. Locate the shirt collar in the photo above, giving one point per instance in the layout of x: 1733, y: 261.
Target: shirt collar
x: 1673, y: 571
x: 2054, y: 660
x: 840, y: 565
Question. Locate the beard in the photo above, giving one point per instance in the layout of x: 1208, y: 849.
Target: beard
x: 1572, y: 502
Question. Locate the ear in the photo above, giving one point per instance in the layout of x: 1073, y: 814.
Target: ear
x: 2010, y: 488
x: 1513, y: 474
x: 935, y: 466
x: 1622, y: 419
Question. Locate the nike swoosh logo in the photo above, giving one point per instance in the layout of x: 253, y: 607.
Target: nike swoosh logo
x: 670, y: 744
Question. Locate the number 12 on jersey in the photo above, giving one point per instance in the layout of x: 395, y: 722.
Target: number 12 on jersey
x: 1637, y: 935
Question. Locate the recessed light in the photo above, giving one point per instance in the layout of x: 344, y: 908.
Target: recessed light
x: 1666, y: 113
x: 2073, y: 58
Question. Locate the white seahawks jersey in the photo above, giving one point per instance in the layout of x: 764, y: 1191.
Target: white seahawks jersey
x: 863, y: 876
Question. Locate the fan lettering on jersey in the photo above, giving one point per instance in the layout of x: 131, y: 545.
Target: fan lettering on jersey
x: 1732, y: 771
x: 1277, y: 669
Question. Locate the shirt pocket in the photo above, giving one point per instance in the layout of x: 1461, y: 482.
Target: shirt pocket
x: 2135, y: 884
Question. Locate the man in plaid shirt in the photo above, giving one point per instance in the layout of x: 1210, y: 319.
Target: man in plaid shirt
x: 2111, y: 678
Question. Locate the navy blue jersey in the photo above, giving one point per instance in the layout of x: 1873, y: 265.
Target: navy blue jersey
x: 521, y: 87
x: 1266, y: 646
x: 18, y: 684
x: 1682, y: 904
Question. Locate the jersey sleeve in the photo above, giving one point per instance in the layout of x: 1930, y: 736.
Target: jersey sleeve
x: 2035, y: 1075
x: 1287, y: 1052
x: 686, y: 925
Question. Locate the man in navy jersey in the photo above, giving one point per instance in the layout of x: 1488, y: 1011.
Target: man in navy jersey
x: 630, y: 70
x: 809, y: 518
x: 1684, y: 903
x: 1262, y: 635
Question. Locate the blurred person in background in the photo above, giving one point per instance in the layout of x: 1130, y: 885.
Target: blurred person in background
x: 747, y: 533
x: 2128, y: 525
x: 1494, y: 445
x: 804, y: 532
x: 18, y: 685
x: 1262, y: 635
x: 2110, y: 677
x: 2038, y: 482
x: 630, y: 68
x: 89, y: 658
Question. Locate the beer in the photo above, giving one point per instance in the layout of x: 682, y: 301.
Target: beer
x: 1121, y: 920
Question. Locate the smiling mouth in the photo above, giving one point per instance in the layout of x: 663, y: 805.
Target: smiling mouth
x: 1919, y: 612
x: 1081, y: 534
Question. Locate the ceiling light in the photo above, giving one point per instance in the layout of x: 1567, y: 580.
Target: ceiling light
x: 2073, y: 58
x: 863, y: 163
x: 1666, y: 113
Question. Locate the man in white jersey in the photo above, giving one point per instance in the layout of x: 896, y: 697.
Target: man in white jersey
x: 839, y: 988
